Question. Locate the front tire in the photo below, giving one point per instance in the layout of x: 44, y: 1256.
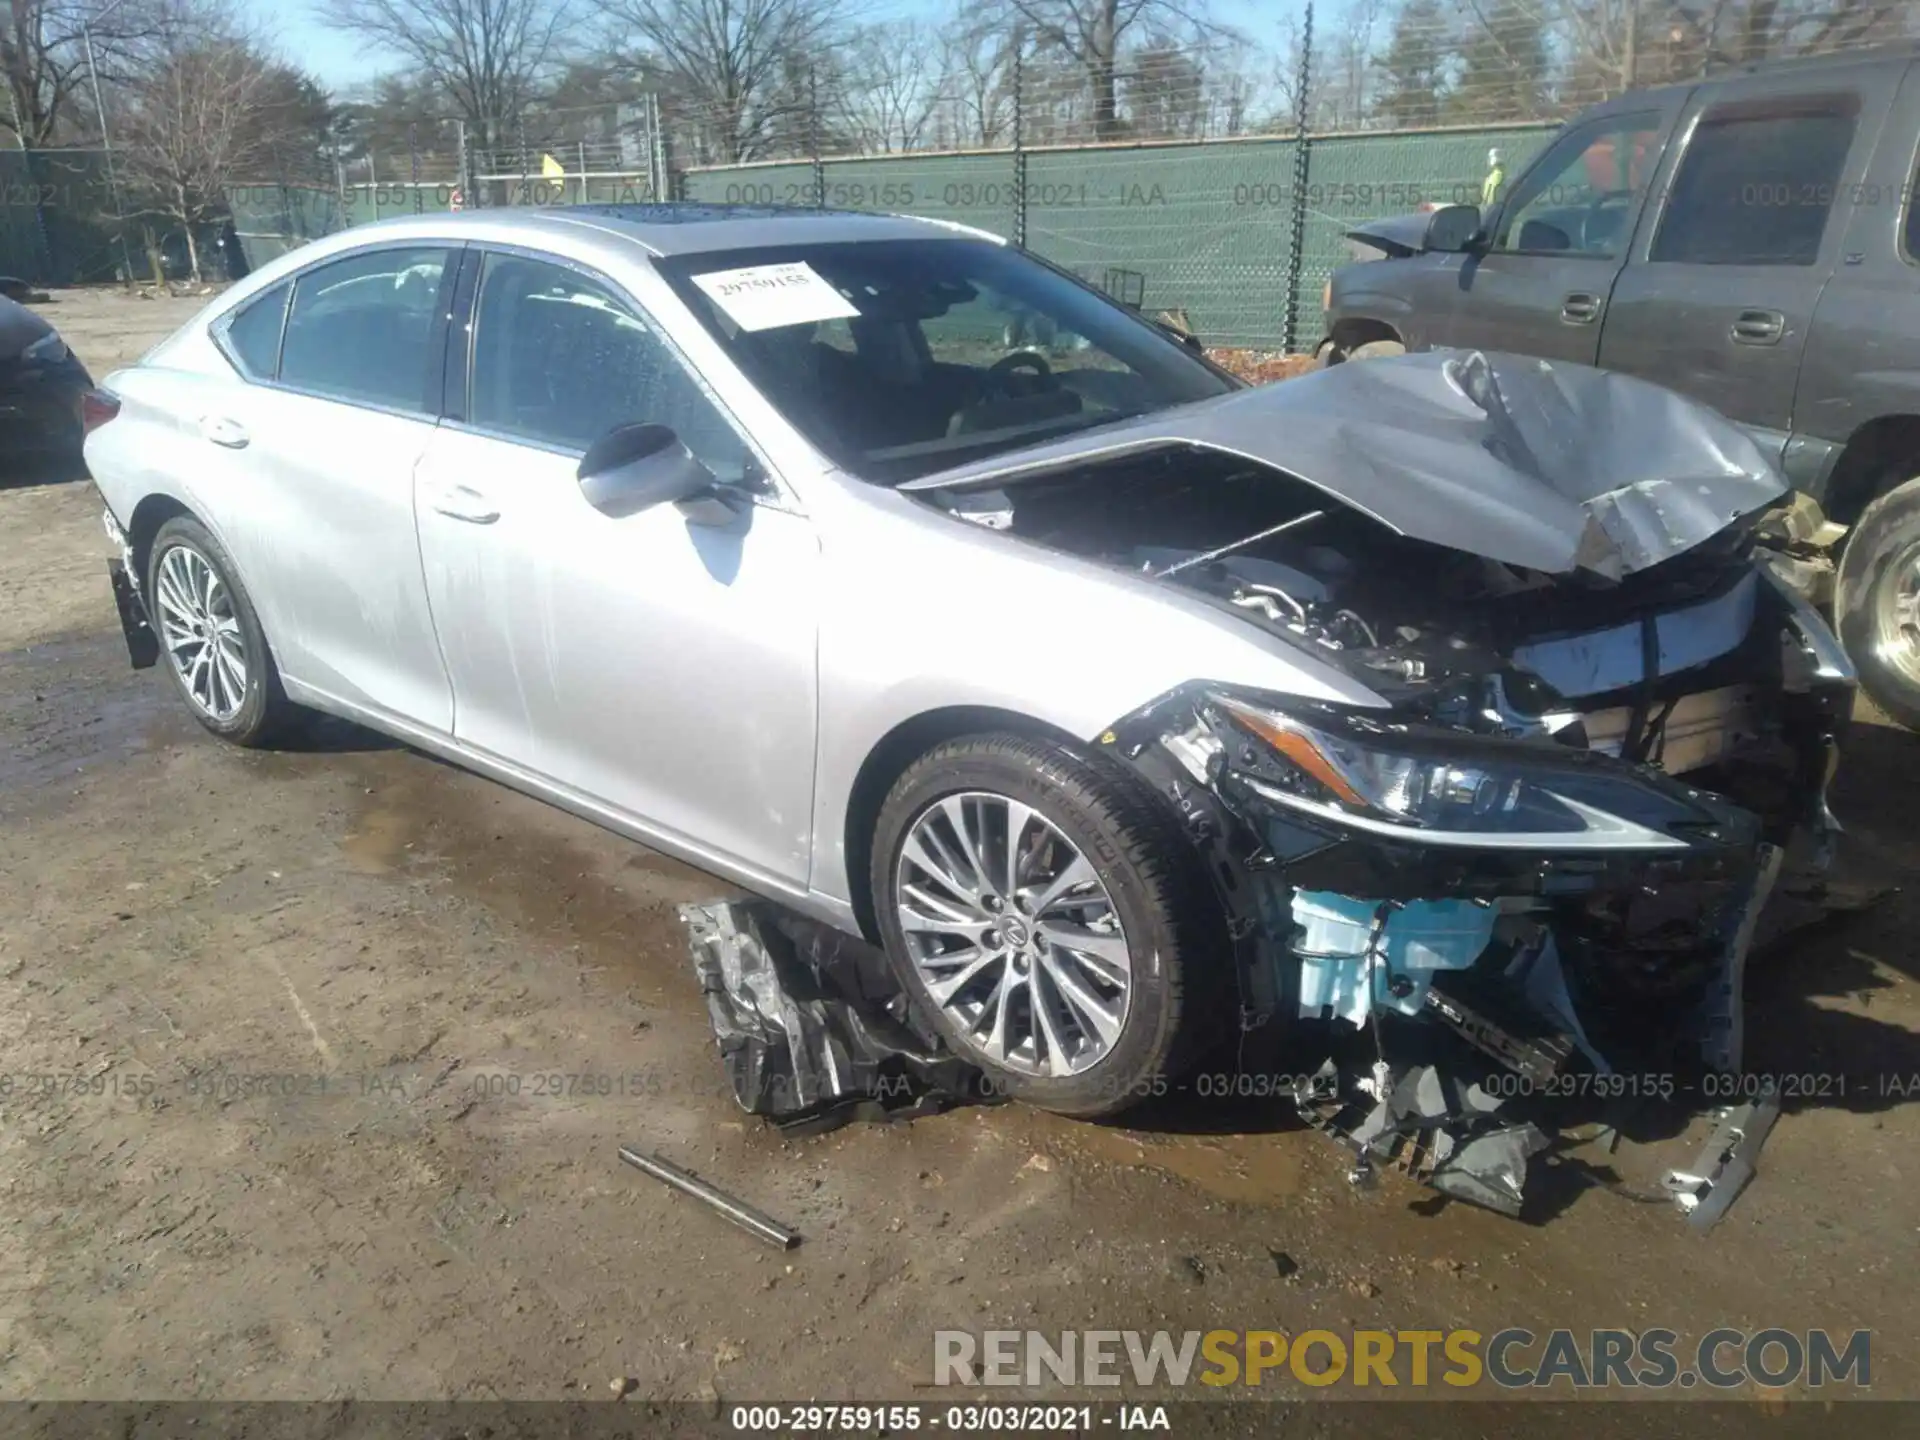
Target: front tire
x: 1377, y: 350
x: 1877, y: 602
x: 210, y: 638
x: 1040, y: 910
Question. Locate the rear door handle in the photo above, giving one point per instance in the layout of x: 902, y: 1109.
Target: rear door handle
x: 1758, y: 327
x: 462, y: 502
x: 222, y: 431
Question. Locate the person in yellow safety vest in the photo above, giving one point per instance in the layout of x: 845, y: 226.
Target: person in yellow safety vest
x: 1496, y: 177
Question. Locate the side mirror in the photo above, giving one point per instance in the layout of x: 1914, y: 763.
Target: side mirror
x: 635, y: 467
x: 1452, y: 229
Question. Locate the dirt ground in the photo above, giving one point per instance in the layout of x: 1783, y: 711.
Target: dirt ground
x: 391, y: 945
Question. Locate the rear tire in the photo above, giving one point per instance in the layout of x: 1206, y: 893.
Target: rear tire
x: 211, y: 643
x: 1085, y: 1028
x: 1876, y: 602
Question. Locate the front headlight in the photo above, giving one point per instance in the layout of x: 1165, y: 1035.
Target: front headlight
x: 1479, y: 791
x: 47, y: 350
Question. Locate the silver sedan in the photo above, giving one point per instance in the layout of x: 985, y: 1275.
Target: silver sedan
x: 901, y: 577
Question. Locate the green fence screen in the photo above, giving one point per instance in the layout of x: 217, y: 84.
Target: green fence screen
x: 1204, y: 228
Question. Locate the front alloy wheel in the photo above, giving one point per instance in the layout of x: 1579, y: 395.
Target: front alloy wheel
x: 1016, y: 938
x: 1038, y: 907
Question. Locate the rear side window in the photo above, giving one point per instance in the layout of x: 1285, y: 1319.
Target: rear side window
x: 360, y: 328
x: 1757, y: 183
x: 251, y: 337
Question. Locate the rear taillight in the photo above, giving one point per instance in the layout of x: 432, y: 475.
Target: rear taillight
x: 96, y: 408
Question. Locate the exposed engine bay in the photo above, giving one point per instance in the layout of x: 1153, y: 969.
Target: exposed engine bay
x: 1440, y: 975
x: 1661, y: 666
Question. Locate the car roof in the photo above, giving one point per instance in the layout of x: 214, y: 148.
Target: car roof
x: 692, y: 227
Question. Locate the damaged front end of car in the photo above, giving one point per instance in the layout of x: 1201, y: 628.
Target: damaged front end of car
x: 1606, y: 733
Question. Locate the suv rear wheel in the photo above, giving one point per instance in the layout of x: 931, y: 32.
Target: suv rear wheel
x: 1877, y: 602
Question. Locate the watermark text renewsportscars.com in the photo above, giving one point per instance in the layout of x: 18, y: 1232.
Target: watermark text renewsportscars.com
x: 1510, y: 1359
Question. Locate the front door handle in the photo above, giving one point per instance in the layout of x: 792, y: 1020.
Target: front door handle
x: 222, y: 431
x: 1758, y: 327
x: 1580, y: 308
x: 462, y: 502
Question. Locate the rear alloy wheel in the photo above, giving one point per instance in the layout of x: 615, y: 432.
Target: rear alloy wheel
x: 1033, y: 906
x: 210, y: 636
x: 1877, y: 602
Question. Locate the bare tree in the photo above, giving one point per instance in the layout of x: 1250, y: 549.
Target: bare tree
x: 1165, y: 89
x: 490, y: 58
x: 43, y: 61
x: 886, y: 86
x: 1606, y: 47
x: 1093, y: 33
x: 976, y: 65
x: 737, y: 68
x: 210, y: 108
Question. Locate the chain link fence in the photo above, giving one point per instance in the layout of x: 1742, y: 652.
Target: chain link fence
x: 1210, y: 182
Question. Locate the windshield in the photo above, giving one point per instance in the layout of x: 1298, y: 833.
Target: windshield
x: 898, y: 358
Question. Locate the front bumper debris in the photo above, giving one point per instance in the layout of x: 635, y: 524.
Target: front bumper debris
x: 1469, y: 1007
x: 810, y: 1023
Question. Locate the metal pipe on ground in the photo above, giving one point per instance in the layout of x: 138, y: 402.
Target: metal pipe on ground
x: 740, y: 1213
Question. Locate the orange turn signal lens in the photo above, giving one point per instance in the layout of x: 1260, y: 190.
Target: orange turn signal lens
x: 1297, y: 746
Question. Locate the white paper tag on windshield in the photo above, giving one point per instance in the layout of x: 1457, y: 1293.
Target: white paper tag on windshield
x: 765, y: 297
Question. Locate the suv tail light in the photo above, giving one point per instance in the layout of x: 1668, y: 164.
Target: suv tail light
x: 97, y: 407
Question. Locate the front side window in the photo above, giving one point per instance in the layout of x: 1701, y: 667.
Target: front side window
x: 251, y: 337
x: 1757, y: 183
x: 360, y: 329
x: 1580, y: 197
x: 560, y: 359
x: 898, y: 358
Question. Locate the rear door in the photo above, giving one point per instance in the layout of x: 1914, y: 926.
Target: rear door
x: 1718, y: 302
x: 338, y: 405
x: 1543, y: 284
x: 1862, y: 359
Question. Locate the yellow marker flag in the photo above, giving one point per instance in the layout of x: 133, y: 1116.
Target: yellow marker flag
x: 551, y: 168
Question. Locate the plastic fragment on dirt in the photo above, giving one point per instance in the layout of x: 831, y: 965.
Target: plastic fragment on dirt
x: 810, y: 1024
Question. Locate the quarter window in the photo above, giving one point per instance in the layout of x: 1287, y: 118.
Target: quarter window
x: 251, y: 337
x: 561, y: 359
x: 1757, y: 183
x: 360, y: 329
x: 1579, y: 198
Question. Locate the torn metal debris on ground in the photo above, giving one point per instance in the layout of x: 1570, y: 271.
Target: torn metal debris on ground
x: 811, y: 1025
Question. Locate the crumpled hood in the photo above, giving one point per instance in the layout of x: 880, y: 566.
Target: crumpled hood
x: 19, y: 328
x: 1546, y: 465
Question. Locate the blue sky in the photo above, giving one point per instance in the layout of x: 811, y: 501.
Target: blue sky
x: 340, y: 61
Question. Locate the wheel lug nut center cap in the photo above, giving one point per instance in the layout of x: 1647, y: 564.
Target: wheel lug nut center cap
x: 1014, y: 933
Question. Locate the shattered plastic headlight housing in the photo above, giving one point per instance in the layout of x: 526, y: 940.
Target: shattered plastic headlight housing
x: 1443, y: 789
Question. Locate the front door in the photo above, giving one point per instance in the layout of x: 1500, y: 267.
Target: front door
x: 1542, y: 285
x: 661, y: 669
